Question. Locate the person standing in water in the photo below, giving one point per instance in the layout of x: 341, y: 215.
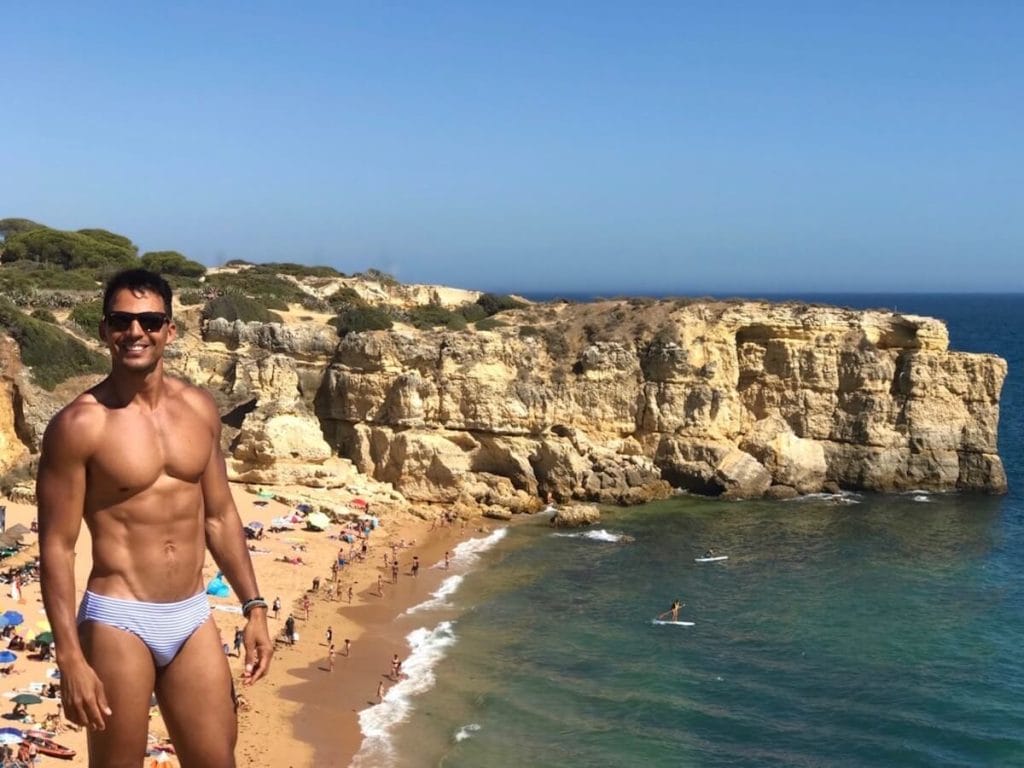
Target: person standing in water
x: 673, y: 611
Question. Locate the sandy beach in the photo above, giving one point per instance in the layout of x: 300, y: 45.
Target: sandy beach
x: 303, y: 713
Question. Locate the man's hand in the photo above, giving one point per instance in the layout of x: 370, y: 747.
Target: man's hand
x: 258, y: 648
x: 83, y: 696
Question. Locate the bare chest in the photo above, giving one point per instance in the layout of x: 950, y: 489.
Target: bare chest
x: 142, y: 448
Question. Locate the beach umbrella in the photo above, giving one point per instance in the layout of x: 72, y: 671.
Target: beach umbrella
x: 358, y: 502
x: 9, y: 739
x: 318, y: 520
x: 4, y: 621
x: 43, y: 625
x: 8, y: 657
x: 27, y: 698
x: 44, y: 638
x: 14, y: 618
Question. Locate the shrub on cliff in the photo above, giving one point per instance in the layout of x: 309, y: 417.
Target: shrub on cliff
x: 268, y: 288
x: 298, y: 270
x: 45, y: 315
x: 52, y: 355
x: 364, y: 318
x: 71, y: 250
x: 87, y: 316
x: 489, y: 324
x: 493, y: 303
x: 429, y: 316
x: 234, y: 306
x: 471, y: 312
x: 171, y: 263
x: 14, y: 226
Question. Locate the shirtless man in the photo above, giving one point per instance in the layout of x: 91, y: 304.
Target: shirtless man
x: 138, y: 458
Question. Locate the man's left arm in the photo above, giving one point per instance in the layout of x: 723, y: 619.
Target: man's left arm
x: 226, y: 541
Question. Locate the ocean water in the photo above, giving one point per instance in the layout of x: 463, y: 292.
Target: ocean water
x: 848, y: 630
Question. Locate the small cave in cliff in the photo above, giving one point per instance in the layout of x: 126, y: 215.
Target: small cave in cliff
x: 236, y: 415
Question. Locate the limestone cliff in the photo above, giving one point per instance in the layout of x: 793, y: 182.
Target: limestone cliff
x: 614, y: 401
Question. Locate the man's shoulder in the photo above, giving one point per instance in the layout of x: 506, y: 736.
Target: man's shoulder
x: 194, y: 396
x: 83, y: 412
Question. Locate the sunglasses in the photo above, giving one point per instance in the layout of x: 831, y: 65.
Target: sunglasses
x: 150, y: 322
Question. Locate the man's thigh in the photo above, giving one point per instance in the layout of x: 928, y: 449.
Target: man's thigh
x: 126, y: 668
x: 196, y: 701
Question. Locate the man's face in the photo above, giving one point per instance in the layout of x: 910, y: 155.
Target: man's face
x: 136, y: 343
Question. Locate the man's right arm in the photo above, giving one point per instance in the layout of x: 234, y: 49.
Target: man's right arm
x: 60, y: 493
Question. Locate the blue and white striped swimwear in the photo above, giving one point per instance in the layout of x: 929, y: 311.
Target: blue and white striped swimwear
x: 163, y: 627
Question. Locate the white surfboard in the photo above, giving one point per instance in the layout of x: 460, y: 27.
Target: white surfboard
x: 710, y: 559
x: 674, y: 623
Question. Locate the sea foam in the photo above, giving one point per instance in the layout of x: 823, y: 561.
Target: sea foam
x: 466, y: 731
x: 599, y: 535
x: 438, y: 598
x: 427, y: 648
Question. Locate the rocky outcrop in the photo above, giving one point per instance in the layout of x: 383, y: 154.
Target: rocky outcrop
x: 615, y: 402
x: 609, y: 402
x: 576, y: 516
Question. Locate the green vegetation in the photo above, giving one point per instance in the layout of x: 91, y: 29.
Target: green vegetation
x: 45, y: 315
x: 493, y: 303
x: 429, y: 316
x: 171, y: 263
x: 10, y: 227
x: 191, y: 298
x: 489, y: 324
x: 234, y: 306
x: 53, y: 355
x: 87, y: 317
x: 472, y: 312
x: 298, y: 270
x: 267, y: 287
x: 362, y: 318
x: 70, y: 250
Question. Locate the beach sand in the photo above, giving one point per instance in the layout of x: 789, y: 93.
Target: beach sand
x: 301, y: 713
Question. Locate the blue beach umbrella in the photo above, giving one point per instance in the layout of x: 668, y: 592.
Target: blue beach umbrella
x: 13, y: 617
x: 8, y: 657
x: 4, y: 622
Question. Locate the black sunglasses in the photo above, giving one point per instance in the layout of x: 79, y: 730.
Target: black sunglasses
x: 150, y: 322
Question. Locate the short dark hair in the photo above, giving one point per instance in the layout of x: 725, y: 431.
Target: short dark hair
x: 137, y: 280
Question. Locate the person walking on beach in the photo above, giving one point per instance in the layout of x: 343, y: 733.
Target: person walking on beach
x: 394, y: 571
x: 380, y: 585
x: 350, y: 593
x: 289, y: 629
x: 415, y: 565
x: 277, y: 607
x: 239, y: 639
x: 348, y: 647
x: 673, y: 611
x: 447, y: 560
x: 330, y: 658
x: 330, y: 635
x: 137, y: 458
x: 380, y: 691
x: 305, y: 606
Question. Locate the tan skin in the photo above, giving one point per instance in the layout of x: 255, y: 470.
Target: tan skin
x: 138, y: 459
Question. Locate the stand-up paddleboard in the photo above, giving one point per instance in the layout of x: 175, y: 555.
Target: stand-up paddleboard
x: 674, y: 623
x: 710, y: 559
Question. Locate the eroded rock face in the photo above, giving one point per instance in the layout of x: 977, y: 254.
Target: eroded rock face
x: 724, y: 399
x: 610, y: 402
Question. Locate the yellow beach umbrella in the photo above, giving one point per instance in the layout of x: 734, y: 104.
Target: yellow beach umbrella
x: 43, y: 625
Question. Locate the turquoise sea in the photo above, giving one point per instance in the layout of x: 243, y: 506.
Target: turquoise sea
x: 849, y: 630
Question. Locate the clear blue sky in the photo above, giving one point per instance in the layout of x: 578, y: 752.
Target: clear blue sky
x: 687, y: 147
